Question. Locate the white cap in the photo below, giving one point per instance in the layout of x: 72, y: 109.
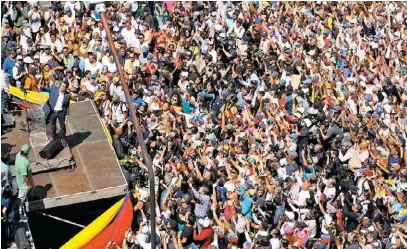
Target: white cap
x: 205, y: 222
x: 230, y: 187
x: 184, y: 74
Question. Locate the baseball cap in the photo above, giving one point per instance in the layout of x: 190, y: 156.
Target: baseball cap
x: 116, y: 97
x: 26, y: 148
x: 19, y: 57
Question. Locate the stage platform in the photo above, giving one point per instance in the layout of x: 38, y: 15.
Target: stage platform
x: 97, y: 173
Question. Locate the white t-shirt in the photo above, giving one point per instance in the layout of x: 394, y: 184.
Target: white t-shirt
x: 275, y: 243
x: 44, y: 58
x: 93, y: 68
x: 326, y: 221
x: 35, y: 20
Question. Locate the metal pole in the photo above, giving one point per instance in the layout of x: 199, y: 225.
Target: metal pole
x: 63, y: 220
x: 147, y: 159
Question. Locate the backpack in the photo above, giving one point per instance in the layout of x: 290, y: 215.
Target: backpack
x: 120, y: 105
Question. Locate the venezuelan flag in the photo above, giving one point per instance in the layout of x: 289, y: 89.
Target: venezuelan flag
x: 111, y: 225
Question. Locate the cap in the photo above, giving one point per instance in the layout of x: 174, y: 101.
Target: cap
x: 26, y: 148
x: 144, y: 49
x: 184, y: 74
x: 19, y: 57
x: 75, y: 54
x: 116, y: 97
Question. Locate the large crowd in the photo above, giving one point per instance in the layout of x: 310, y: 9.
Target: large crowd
x: 269, y: 124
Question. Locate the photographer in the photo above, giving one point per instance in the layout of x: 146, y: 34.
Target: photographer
x: 7, y: 45
x: 19, y: 72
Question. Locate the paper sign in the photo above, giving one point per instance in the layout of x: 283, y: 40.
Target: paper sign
x: 295, y: 81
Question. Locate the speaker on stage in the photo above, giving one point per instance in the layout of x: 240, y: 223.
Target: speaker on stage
x: 21, y: 239
x: 51, y: 149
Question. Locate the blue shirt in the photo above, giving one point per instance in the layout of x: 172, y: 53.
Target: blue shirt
x: 246, y: 203
x: 81, y: 64
x: 204, y: 47
x: 7, y: 172
x: 137, y: 101
x: 8, y: 66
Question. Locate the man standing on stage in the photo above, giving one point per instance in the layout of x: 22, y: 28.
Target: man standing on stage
x: 23, y: 175
x: 57, y: 107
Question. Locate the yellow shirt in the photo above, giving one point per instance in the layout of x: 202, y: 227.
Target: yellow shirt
x: 129, y: 65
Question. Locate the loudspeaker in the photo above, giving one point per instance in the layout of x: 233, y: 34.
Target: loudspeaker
x: 21, y: 239
x: 51, y: 149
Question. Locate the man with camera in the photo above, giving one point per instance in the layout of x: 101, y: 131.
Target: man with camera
x: 7, y: 45
x: 19, y: 72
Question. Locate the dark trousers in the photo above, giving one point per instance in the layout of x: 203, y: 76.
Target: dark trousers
x: 4, y: 101
x: 60, y: 115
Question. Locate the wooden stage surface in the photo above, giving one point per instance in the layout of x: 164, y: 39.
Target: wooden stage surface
x: 97, y: 174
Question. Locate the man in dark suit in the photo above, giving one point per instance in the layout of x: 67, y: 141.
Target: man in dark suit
x: 57, y: 107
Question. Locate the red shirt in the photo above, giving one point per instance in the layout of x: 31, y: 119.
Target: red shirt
x: 205, y: 237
